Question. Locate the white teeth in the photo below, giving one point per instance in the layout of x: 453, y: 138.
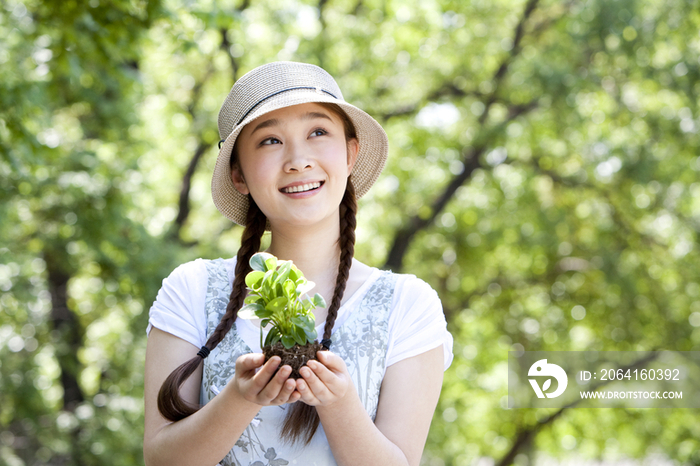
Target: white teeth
x: 302, y: 188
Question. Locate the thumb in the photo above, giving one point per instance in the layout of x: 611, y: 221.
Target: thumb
x: 330, y: 360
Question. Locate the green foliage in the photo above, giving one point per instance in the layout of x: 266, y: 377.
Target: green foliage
x: 275, y: 294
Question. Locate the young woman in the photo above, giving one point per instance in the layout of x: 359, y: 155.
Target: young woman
x: 294, y: 158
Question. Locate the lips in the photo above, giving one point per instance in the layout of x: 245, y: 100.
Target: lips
x: 302, y: 187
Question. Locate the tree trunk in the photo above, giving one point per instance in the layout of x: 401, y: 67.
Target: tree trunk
x: 68, y: 334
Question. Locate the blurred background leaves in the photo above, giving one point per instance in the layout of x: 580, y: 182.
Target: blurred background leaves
x: 543, y: 177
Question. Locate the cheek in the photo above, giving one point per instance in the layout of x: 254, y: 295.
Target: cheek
x: 250, y: 165
x: 339, y: 159
x: 259, y: 176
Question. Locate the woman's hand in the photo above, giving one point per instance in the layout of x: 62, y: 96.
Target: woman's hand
x: 262, y: 387
x: 324, y: 381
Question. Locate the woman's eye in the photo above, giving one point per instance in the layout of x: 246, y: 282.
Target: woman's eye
x: 269, y: 141
x: 318, y: 132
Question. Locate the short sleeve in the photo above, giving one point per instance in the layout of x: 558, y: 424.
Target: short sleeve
x: 179, y: 306
x: 417, y: 323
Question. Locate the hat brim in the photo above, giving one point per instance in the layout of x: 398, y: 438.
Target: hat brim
x: 372, y: 139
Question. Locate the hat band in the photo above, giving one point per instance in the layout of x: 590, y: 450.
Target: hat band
x: 318, y: 89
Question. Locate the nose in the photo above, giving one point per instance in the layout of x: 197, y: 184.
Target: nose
x: 298, y: 159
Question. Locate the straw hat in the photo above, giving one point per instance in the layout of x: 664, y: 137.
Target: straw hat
x: 279, y: 85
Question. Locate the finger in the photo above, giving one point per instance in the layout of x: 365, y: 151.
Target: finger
x: 287, y: 391
x: 273, y: 388
x: 249, y: 362
x: 294, y: 397
x: 315, y: 385
x: 324, y: 374
x: 263, y: 376
x: 305, y: 393
x: 331, y: 360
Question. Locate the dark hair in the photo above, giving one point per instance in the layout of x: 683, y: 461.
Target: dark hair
x: 302, y: 420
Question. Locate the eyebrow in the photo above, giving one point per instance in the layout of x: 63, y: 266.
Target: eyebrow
x: 275, y: 121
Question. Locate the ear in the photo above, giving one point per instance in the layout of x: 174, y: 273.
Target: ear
x: 353, y: 150
x: 239, y: 181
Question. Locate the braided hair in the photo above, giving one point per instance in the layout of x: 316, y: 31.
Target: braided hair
x: 170, y: 403
x: 302, y: 420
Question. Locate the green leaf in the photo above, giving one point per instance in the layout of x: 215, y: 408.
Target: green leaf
x: 289, y: 288
x: 299, y: 335
x: 252, y: 298
x: 287, y: 341
x: 284, y: 271
x: 264, y: 322
x: 295, y: 274
x: 273, y: 336
x: 252, y: 280
x: 305, y: 287
x: 304, y: 322
x: 319, y: 301
x: 271, y: 263
x: 311, y: 335
x: 250, y: 311
x: 257, y: 262
x: 269, y: 278
x: 267, y: 283
x: 277, y: 304
x: 278, y: 289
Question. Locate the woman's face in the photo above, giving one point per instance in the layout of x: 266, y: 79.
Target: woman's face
x: 295, y: 162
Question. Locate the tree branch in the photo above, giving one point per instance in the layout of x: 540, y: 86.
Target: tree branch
x: 226, y: 46
x: 471, y: 162
x: 404, y: 236
x: 514, y: 52
x: 322, y: 41
x: 622, y: 224
x: 321, y: 7
x: 202, y: 146
x: 448, y: 89
x: 184, y: 204
x: 357, y: 8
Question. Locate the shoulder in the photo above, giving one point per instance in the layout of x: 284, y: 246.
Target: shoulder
x: 196, y: 272
x: 179, y: 305
x: 189, y: 269
x: 183, y: 278
x: 413, y: 291
x: 403, y: 282
x: 409, y: 291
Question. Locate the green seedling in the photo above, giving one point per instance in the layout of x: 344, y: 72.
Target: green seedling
x: 276, y: 289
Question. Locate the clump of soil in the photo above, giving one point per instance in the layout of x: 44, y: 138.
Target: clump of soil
x: 296, y: 357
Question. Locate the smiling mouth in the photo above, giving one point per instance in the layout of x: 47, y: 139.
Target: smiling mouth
x: 302, y: 188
